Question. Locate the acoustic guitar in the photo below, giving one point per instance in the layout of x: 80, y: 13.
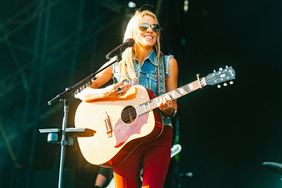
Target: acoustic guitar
x: 123, y: 124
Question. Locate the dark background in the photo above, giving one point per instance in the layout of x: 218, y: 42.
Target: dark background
x: 226, y: 134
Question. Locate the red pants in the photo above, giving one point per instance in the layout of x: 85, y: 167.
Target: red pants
x: 153, y: 157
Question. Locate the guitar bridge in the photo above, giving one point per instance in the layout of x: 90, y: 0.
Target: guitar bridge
x: 108, y: 125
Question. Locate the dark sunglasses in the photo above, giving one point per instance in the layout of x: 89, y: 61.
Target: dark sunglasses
x: 145, y: 26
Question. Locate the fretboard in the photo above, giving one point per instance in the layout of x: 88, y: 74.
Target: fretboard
x: 174, y: 94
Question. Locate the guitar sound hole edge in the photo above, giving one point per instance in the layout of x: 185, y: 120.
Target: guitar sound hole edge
x: 128, y: 115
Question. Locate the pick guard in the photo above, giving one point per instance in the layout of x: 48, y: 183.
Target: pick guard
x: 123, y: 131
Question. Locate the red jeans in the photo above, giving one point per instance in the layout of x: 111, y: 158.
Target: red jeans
x: 153, y: 157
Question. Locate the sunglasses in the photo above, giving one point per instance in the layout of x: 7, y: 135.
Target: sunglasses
x: 145, y: 26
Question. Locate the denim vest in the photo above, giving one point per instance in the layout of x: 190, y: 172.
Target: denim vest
x: 147, y: 76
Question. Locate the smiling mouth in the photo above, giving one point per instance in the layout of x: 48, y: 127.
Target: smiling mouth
x: 148, y: 37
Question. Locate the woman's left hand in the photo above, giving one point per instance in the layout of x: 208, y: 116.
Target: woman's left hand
x: 167, y: 105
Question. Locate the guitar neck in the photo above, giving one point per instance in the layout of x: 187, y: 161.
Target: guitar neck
x: 174, y: 94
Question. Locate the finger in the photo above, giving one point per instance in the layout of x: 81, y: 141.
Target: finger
x: 118, y: 85
x: 125, y: 86
x: 120, y: 92
x: 166, y: 100
x: 164, y: 104
x: 122, y: 88
x: 162, y: 101
x: 119, y: 89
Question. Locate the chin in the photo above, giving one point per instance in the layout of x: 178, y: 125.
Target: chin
x: 149, y: 44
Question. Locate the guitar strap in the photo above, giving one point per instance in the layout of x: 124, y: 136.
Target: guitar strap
x: 161, y: 76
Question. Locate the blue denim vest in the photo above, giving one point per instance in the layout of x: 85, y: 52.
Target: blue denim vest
x: 147, y: 75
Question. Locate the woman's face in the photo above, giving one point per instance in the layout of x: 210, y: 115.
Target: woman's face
x: 147, y: 32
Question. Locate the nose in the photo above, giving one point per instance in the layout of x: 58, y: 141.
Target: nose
x: 150, y: 29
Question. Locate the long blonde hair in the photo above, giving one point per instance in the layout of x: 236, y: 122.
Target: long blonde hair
x: 126, y: 67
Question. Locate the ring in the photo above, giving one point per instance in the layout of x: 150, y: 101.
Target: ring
x: 119, y: 90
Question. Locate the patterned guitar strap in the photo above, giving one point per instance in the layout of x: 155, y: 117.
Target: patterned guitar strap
x: 161, y: 76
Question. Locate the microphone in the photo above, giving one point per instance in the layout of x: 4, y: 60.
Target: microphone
x: 119, y: 49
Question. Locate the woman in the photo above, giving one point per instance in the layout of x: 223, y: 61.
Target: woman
x: 142, y: 64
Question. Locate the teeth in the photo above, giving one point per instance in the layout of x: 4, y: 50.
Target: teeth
x: 148, y: 37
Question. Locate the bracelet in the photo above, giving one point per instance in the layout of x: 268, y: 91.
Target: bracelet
x: 173, y: 113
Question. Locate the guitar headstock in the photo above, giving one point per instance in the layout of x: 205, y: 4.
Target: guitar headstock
x: 222, y: 75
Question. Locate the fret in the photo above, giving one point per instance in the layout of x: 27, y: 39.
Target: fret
x: 147, y: 107
x: 138, y: 110
x: 154, y: 105
x: 143, y: 109
x: 179, y: 92
x: 156, y: 100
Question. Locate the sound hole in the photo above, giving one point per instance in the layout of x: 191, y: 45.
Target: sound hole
x: 128, y: 114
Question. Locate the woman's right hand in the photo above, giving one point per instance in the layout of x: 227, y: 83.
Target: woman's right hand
x: 116, y: 90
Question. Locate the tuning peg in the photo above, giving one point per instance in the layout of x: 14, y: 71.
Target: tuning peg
x: 231, y: 82
x: 218, y: 86
x: 225, y: 84
x: 214, y: 71
x: 226, y: 66
x: 220, y: 69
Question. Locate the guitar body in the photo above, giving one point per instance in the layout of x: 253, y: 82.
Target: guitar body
x: 117, y: 134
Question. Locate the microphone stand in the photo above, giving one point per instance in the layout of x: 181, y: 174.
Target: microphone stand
x: 65, y: 98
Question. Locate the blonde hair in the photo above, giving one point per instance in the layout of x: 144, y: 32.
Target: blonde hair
x: 126, y: 67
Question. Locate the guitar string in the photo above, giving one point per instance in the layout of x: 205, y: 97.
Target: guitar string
x: 126, y: 117
x: 134, y: 110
